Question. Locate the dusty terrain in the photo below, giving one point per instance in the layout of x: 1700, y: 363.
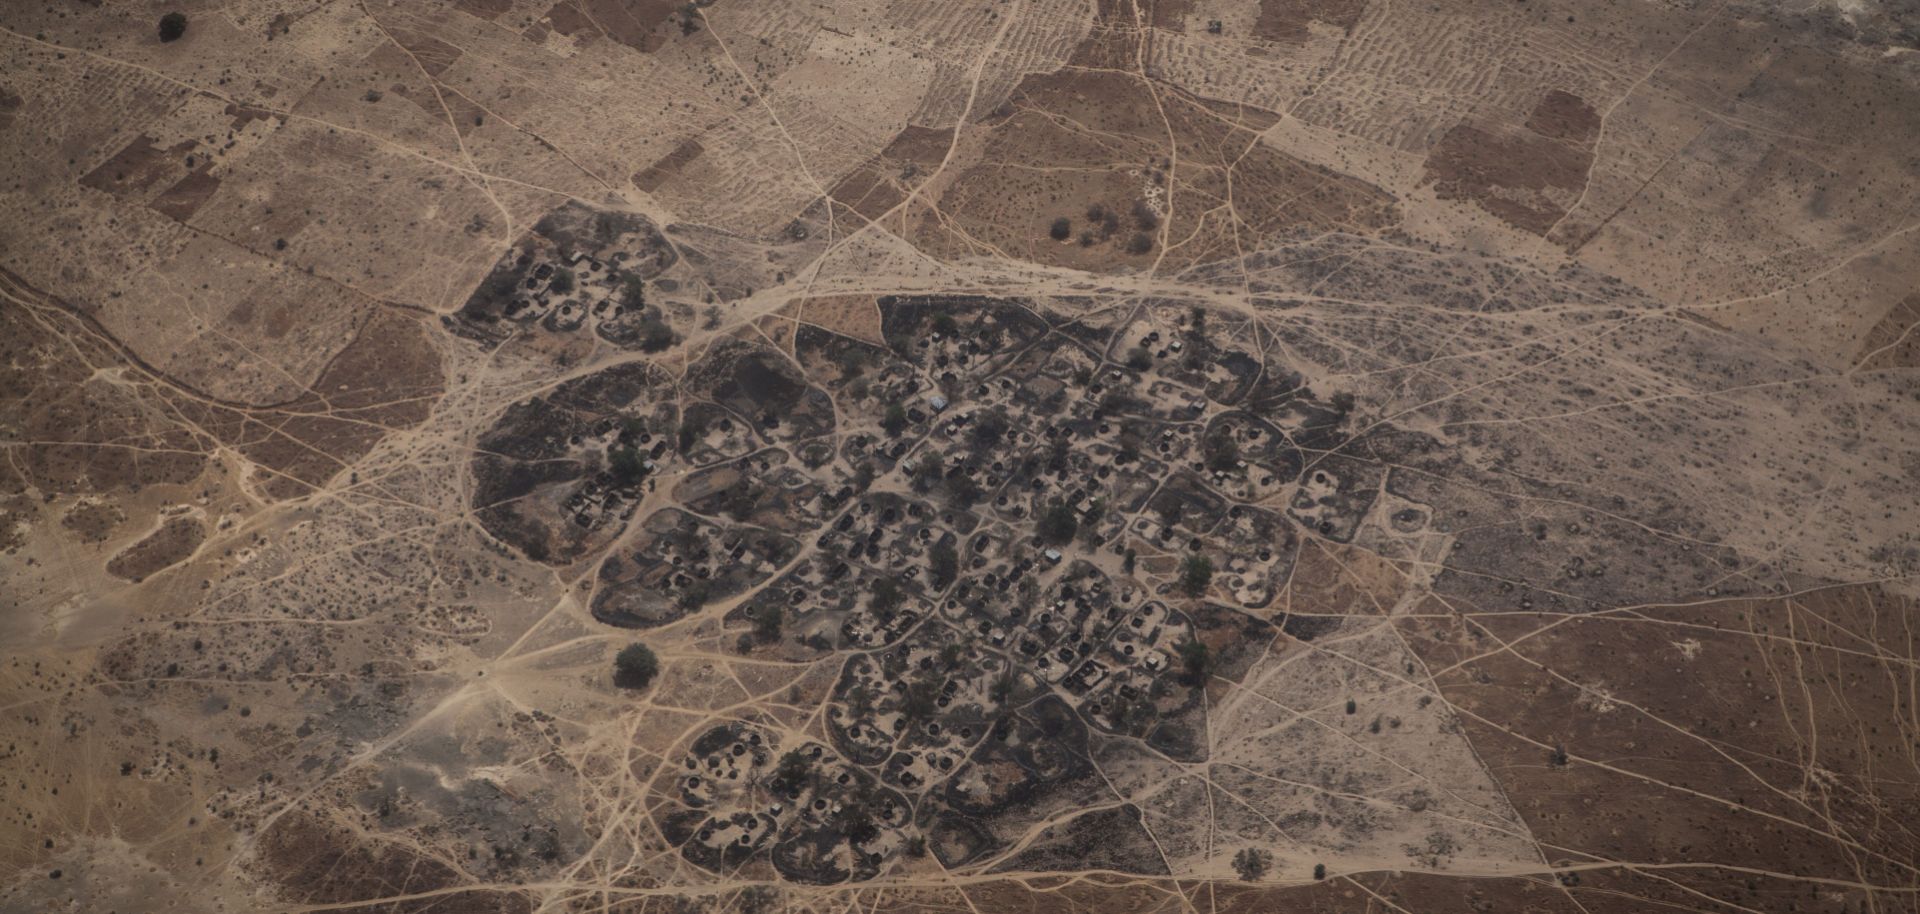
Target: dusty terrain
x: 1065, y: 455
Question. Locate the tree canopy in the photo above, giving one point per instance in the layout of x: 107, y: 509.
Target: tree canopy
x: 635, y: 666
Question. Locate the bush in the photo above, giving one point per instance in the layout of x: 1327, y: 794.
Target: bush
x: 963, y: 491
x: 930, y: 469
x: 1140, y: 243
x: 1252, y: 863
x: 896, y: 420
x: 1059, y: 524
x: 794, y: 771
x: 1003, y: 686
x: 944, y: 562
x: 856, y: 823
x: 1223, y: 453
x: 1062, y: 228
x: 1090, y: 527
x: 1196, y: 575
x: 633, y: 293
x: 655, y: 335
x: 172, y: 26
x: 923, y: 699
x: 989, y: 428
x: 1196, y: 659
x: 635, y: 666
x: 768, y: 621
x: 626, y: 465
x: 1144, y: 216
x: 887, y: 597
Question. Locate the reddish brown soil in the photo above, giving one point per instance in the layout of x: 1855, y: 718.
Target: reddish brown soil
x: 1076, y: 141
x: 315, y: 863
x: 434, y: 55
x: 1526, y: 176
x: 883, y: 182
x: 653, y: 176
x: 88, y: 437
x: 1564, y: 116
x: 485, y: 9
x: 387, y: 378
x: 638, y: 24
x: 93, y: 523
x: 1689, y: 734
x: 1894, y: 342
x: 1286, y: 21
x: 97, y: 437
x: 186, y: 196
x: 139, y: 167
x: 10, y: 102
x: 173, y: 542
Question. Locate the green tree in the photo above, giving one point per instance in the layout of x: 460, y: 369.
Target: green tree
x: 1139, y: 359
x: 962, y: 490
x: 1252, y: 863
x: 1061, y: 229
x: 1223, y: 453
x: 635, y: 666
x: 1059, y: 523
x: 633, y: 293
x: 562, y: 281
x: 989, y: 428
x: 896, y: 420
x: 626, y: 466
x: 1091, y: 525
x: 172, y: 26
x: 1196, y: 575
x: 887, y: 596
x: 856, y: 823
x: 1144, y: 216
x: 1003, y: 685
x: 740, y: 502
x: 655, y: 335
x: 1196, y: 659
x: 768, y: 620
x: 923, y: 699
x: 944, y: 562
x: 1319, y: 871
x: 930, y: 469
x: 793, y: 772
